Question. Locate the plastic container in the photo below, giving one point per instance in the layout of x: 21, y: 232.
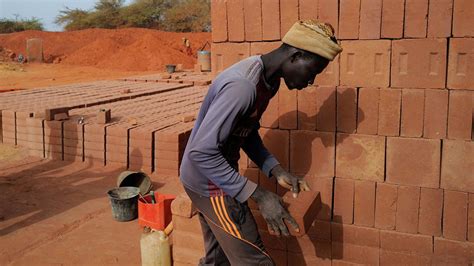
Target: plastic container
x: 156, y: 216
x: 155, y: 248
x: 124, y: 203
x: 135, y: 179
x: 170, y: 68
x: 204, y: 59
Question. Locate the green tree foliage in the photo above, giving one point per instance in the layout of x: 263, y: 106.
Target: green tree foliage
x: 170, y: 15
x: 15, y: 25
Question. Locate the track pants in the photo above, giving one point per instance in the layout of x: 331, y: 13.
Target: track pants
x: 230, y: 233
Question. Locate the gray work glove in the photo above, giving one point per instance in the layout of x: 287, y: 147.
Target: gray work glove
x: 289, y: 181
x: 272, y: 210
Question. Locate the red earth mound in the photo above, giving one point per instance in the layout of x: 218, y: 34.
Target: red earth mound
x: 130, y: 49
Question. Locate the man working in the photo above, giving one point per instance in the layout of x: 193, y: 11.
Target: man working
x: 227, y: 122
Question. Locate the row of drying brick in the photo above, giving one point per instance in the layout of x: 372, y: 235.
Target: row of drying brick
x: 197, y: 79
x: 268, y: 20
x: 407, y: 63
x: 339, y: 243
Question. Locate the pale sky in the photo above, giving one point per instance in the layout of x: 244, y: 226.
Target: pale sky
x: 45, y: 10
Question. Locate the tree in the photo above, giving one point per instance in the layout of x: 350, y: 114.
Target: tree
x: 9, y: 25
x: 188, y: 15
x: 73, y: 19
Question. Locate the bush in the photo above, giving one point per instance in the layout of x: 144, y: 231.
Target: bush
x: 10, y: 25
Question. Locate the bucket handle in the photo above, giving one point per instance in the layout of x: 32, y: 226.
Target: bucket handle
x: 204, y: 46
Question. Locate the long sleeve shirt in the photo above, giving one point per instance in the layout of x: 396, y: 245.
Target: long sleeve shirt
x: 228, y: 121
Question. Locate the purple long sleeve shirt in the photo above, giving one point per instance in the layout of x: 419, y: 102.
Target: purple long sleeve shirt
x: 228, y: 121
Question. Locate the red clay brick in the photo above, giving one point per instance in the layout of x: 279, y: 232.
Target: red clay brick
x: 397, y: 258
x: 320, y: 230
x: 439, y: 18
x: 253, y: 20
x: 409, y: 243
x: 431, y: 211
x: 419, y: 63
x: 307, y: 108
x: 364, y: 203
x: 277, y: 142
x: 413, y: 104
x: 436, y: 114
x: 287, y: 107
x: 325, y: 187
x: 312, y: 153
x: 349, y: 12
x: 260, y: 48
x: 328, y: 11
x: 330, y: 75
x: 449, y: 248
x: 308, y: 9
x: 271, y: 20
x: 360, y: 157
x: 279, y: 257
x: 389, y: 113
x: 463, y: 19
x: 226, y: 54
x: 326, y: 106
x: 346, y: 109
x: 368, y: 111
x: 270, y: 116
x: 182, y: 206
x: 272, y: 241
x: 407, y: 209
x: 461, y: 63
x: 370, y: 19
x: 343, y: 201
x: 356, y: 235
x: 460, y: 115
x: 235, y: 20
x: 470, y: 219
x: 385, y: 206
x: 185, y: 224
x: 309, y: 246
x: 365, y: 63
x: 413, y: 162
x: 288, y: 15
x: 219, y: 20
x: 416, y: 14
x: 323, y: 257
x: 455, y: 215
x: 355, y: 254
x: 267, y: 183
x: 304, y: 209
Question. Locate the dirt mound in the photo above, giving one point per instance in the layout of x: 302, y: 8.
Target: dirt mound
x: 122, y: 49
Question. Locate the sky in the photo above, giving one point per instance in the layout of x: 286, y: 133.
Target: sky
x: 45, y: 10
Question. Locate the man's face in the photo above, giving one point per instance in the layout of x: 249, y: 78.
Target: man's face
x: 300, y: 71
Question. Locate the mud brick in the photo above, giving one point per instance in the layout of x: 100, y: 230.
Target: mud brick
x: 398, y: 258
x: 462, y: 250
x: 360, y: 157
x: 416, y: 14
x: 243, y: 160
x: 36, y: 153
x: 439, y: 18
x: 320, y: 230
x: 73, y: 150
x: 346, y: 109
x: 270, y: 116
x: 364, y: 203
x: 277, y: 142
x: 307, y: 102
x: 455, y: 215
x: 463, y: 19
x: 279, y: 257
x: 470, y: 219
x: 385, y: 206
x: 53, y: 155
x: 53, y: 125
x: 260, y: 48
x: 460, y: 115
x: 288, y: 15
x: 365, y: 63
x: 356, y: 235
x: 268, y: 183
x: 186, y: 239
x: 413, y: 104
x: 308, y: 246
x: 349, y: 11
x: 226, y: 54
x: 308, y: 9
x: 461, y: 63
x: 167, y: 155
x: 50, y: 113
x: 253, y: 20
x: 95, y: 154
x: 53, y: 140
x: 104, y: 116
x: 287, y: 108
x: 116, y: 157
x: 419, y: 63
x: 271, y: 20
x: 304, y: 209
x: 48, y: 133
x: 431, y: 208
x: 162, y: 164
x: 185, y: 224
x: 325, y: 187
x: 312, y: 153
x: 235, y: 20
x: 355, y: 254
x: 328, y: 11
x: 182, y: 206
x: 407, y: 209
x: 326, y: 106
x: 113, y: 141
x: 403, y: 242
x: 436, y: 114
x: 343, y: 201
x: 330, y: 75
x: 323, y: 258
x: 370, y: 19
x: 413, y: 162
x: 368, y: 111
x: 219, y: 20
x: 389, y: 114
x: 35, y: 138
x: 183, y: 254
x: 272, y: 241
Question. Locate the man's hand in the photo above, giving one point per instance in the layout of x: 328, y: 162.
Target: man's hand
x: 273, y: 212
x: 289, y: 181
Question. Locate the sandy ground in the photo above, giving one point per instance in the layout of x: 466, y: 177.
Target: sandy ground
x: 27, y: 76
x: 58, y: 213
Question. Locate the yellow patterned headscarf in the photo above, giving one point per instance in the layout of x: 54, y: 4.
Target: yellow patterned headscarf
x: 313, y: 36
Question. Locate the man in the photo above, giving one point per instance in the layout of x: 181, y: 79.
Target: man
x: 228, y: 121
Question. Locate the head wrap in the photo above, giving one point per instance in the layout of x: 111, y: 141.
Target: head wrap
x: 313, y: 36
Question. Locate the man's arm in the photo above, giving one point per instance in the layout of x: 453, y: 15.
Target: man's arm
x: 256, y: 151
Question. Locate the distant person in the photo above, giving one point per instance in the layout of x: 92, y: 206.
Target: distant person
x: 228, y: 121
x: 187, y: 46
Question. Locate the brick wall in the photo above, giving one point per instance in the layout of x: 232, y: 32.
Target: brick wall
x: 385, y: 136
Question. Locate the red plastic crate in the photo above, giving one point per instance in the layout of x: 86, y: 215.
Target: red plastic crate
x: 156, y: 216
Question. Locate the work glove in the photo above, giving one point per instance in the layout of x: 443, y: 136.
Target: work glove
x: 289, y: 181
x: 272, y: 210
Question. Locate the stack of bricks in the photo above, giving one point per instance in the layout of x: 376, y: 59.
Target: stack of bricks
x: 386, y: 135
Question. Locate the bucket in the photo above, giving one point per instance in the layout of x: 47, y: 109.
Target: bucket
x: 170, y: 68
x: 204, y: 59
x: 158, y: 215
x: 124, y: 203
x: 135, y: 179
